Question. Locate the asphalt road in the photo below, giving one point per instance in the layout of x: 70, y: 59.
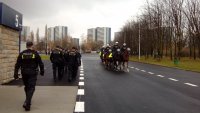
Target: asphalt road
x: 145, y: 89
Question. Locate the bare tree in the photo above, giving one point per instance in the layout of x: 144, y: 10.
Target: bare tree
x: 32, y: 36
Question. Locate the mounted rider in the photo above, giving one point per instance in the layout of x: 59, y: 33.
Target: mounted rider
x: 101, y: 53
x: 107, y: 54
x: 115, y: 50
x: 124, y: 47
x: 125, y: 56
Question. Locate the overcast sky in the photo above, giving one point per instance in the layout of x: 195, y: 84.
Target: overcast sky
x: 77, y: 15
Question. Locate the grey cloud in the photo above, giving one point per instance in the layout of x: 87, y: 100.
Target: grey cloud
x: 45, y: 8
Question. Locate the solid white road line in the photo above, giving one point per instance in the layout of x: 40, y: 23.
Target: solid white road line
x: 160, y: 76
x: 81, y: 83
x: 173, y: 79
x: 143, y: 70
x: 81, y: 92
x: 80, y: 107
x: 81, y: 74
x: 81, y: 78
x: 193, y: 85
x: 151, y: 73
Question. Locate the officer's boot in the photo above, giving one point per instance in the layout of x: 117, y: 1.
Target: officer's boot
x: 25, y: 102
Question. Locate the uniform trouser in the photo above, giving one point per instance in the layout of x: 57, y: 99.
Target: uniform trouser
x: 29, y: 82
x: 60, y: 69
x: 72, y: 71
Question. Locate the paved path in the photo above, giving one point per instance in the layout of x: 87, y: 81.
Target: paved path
x: 49, y: 97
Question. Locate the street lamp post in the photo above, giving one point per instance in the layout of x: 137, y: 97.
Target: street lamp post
x: 139, y: 40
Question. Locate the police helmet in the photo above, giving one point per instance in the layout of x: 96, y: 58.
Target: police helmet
x: 116, y: 43
x: 128, y: 49
x: 110, y: 50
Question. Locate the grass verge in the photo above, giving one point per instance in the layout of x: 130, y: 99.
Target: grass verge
x: 44, y: 57
x: 184, y: 63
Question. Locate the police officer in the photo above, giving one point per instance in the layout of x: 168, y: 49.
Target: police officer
x: 124, y: 47
x: 66, y: 57
x: 28, y: 61
x: 114, y: 52
x: 58, y: 63
x: 73, y: 63
x: 101, y: 53
x: 79, y: 57
x: 115, y: 47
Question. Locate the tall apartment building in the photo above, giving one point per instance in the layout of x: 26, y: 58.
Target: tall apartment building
x: 58, y: 32
x: 51, y: 34
x: 91, y: 33
x: 25, y: 33
x: 100, y: 34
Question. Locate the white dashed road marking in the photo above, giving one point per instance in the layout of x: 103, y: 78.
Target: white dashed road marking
x: 81, y: 92
x: 81, y: 74
x: 143, y: 70
x: 151, y: 73
x: 137, y: 69
x: 81, y: 83
x: 193, y: 85
x: 160, y: 76
x: 173, y: 79
x: 80, y: 107
x: 81, y: 71
x: 81, y: 78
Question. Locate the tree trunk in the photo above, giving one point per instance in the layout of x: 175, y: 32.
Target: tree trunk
x: 199, y: 49
x: 166, y: 49
x: 175, y: 47
x: 194, y: 49
x: 190, y: 46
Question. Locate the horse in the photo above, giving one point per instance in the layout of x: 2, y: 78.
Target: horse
x: 117, y: 59
x: 125, y: 59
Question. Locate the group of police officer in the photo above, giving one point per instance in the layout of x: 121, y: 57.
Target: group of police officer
x: 65, y: 61
x: 29, y: 60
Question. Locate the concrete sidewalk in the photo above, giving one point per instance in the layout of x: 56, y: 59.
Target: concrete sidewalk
x: 47, y: 99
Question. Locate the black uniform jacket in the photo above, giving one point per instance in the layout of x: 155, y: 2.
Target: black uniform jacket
x: 29, y: 60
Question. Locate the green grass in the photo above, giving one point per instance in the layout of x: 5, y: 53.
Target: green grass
x: 45, y: 57
x: 184, y: 63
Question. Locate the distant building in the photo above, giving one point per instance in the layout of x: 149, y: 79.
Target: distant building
x: 51, y: 32
x: 64, y: 32
x: 60, y: 32
x: 57, y: 33
x: 25, y: 33
x: 100, y: 34
x: 91, y: 33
